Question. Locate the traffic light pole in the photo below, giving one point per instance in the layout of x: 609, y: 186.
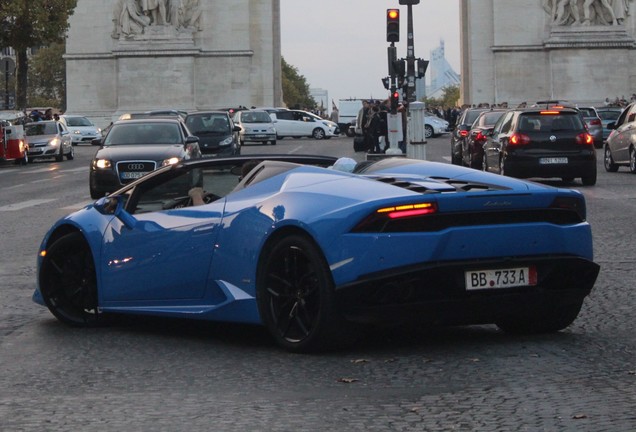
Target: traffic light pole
x: 410, y: 57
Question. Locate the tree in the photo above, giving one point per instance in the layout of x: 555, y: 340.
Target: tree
x: 31, y: 24
x: 295, y: 88
x: 47, y: 73
x: 450, y: 97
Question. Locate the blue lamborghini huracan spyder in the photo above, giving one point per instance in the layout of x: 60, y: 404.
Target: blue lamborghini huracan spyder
x: 313, y: 252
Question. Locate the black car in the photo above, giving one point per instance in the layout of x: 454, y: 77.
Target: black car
x: 135, y: 147
x: 473, y: 152
x: 458, y: 137
x: 218, y: 135
x: 538, y: 142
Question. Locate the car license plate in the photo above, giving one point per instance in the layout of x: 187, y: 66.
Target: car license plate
x: 500, y: 278
x: 132, y: 175
x: 553, y: 160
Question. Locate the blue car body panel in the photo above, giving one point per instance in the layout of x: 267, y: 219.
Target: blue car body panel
x: 201, y: 262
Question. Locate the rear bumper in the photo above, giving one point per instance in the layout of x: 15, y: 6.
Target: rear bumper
x: 524, y: 166
x: 437, y: 293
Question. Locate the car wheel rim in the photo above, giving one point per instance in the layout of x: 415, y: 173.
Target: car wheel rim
x: 632, y: 160
x: 293, y: 290
x: 68, y: 283
x: 608, y: 158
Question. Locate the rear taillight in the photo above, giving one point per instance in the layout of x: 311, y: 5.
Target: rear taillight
x: 518, y: 139
x: 463, y: 133
x: 480, y: 136
x: 595, y: 122
x: 584, y: 139
x: 393, y: 218
x: 574, y: 204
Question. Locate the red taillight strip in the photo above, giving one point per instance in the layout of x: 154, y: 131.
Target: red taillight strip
x: 408, y: 210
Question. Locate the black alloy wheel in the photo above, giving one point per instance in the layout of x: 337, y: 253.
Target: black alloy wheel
x: 68, y: 281
x: 295, y: 296
x: 608, y: 160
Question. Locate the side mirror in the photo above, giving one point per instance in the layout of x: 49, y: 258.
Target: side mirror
x: 236, y: 129
x: 114, y: 205
x: 611, y: 125
x: 96, y: 141
x: 192, y: 139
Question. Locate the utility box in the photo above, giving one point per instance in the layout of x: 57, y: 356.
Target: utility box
x: 416, y: 146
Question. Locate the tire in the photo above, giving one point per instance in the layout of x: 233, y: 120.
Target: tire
x: 60, y: 157
x: 632, y: 160
x: 608, y: 160
x: 273, y: 142
x: 318, y: 134
x: 68, y: 281
x: 96, y: 195
x: 71, y: 154
x: 428, y: 131
x: 264, y: 142
x: 484, y: 163
x: 589, y: 180
x: 295, y: 295
x: 553, y: 318
x: 474, y: 162
x: 456, y: 159
x: 350, y: 133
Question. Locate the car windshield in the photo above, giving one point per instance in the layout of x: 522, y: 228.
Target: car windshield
x: 256, y: 117
x: 537, y: 122
x: 147, y: 133
x: 208, y: 124
x: 609, y: 115
x: 490, y: 118
x: 78, y: 121
x: 40, y: 128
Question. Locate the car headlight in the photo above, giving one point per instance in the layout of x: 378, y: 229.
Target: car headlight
x: 101, y: 164
x: 171, y: 161
x: 98, y: 130
x: 55, y: 142
x: 226, y: 142
x: 247, y: 130
x: 76, y: 132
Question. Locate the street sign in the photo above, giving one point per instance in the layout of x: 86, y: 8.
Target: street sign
x: 7, y: 66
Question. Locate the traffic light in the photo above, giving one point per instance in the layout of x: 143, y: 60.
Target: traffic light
x: 386, y: 82
x: 392, y: 25
x: 395, y: 99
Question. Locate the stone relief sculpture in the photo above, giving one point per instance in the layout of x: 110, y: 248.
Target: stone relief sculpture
x: 587, y: 12
x: 131, y: 17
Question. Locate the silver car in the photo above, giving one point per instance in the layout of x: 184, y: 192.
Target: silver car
x: 82, y: 130
x: 594, y: 124
x: 49, y: 139
x: 256, y: 126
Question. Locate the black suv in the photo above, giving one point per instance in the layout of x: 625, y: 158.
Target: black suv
x: 540, y: 142
x: 460, y: 133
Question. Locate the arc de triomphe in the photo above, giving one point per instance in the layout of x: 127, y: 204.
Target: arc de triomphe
x: 135, y: 55
x: 529, y: 50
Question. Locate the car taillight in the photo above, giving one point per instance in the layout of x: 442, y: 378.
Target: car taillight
x: 480, y: 136
x: 574, y: 204
x: 518, y: 139
x: 584, y: 138
x: 396, y: 218
x: 463, y: 133
x: 595, y: 122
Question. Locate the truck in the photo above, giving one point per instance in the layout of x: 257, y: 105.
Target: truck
x: 347, y: 112
x: 13, y: 145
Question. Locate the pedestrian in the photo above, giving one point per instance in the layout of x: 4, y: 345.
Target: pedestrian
x: 374, y: 130
x: 334, y: 114
x: 361, y: 118
x: 384, y: 126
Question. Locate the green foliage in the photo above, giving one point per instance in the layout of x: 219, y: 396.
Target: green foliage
x: 450, y: 97
x: 31, y: 24
x: 47, y: 71
x: 295, y: 88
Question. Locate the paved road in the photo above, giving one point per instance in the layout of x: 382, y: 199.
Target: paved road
x: 161, y: 375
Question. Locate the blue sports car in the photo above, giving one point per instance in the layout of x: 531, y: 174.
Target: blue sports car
x: 314, y: 253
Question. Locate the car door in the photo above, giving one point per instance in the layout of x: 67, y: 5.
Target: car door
x: 284, y: 123
x: 494, y: 146
x: 65, y: 136
x: 167, y: 255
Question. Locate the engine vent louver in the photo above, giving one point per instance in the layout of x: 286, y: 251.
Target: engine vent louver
x: 439, y: 185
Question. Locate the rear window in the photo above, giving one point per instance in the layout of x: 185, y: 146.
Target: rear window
x: 535, y: 122
x: 588, y: 112
x: 609, y: 115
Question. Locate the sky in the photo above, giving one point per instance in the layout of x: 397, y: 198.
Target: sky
x: 340, y: 45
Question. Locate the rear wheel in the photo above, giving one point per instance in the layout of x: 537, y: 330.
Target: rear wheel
x: 549, y: 320
x: 295, y: 295
x: 68, y: 281
x: 608, y: 161
x: 632, y: 160
x: 589, y: 180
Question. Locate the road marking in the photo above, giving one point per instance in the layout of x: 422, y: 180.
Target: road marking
x: 25, y: 204
x: 297, y: 149
x: 40, y: 170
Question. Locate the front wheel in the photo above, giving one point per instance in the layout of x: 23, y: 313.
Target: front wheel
x: 318, y: 134
x: 60, y: 156
x: 68, y: 281
x: 428, y: 131
x: 71, y: 153
x: 608, y: 160
x: 273, y: 142
x: 295, y: 295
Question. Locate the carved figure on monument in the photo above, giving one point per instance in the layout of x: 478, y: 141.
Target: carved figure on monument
x: 157, y: 10
x: 128, y: 19
x: 586, y: 12
x: 189, y: 14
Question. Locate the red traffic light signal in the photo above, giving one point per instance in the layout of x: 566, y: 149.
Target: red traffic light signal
x: 392, y: 25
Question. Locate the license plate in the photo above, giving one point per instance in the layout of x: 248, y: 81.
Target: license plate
x: 132, y: 175
x: 553, y: 160
x: 500, y: 278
